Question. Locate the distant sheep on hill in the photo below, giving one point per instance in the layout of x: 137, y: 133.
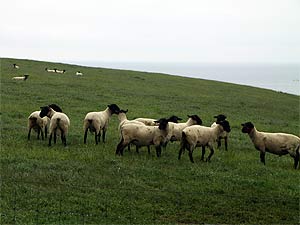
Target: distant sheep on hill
x: 78, y: 73
x: 60, y: 71
x: 16, y: 66
x: 50, y: 70
x: 25, y: 77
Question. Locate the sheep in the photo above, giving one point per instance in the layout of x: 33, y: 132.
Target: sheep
x: 78, y: 73
x: 141, y: 135
x: 16, y: 66
x: 38, y: 124
x: 25, y: 77
x: 50, y: 70
x: 177, y: 128
x: 196, y: 135
x: 275, y: 143
x: 60, y: 71
x: 224, y: 135
x: 58, y: 121
x: 97, y: 121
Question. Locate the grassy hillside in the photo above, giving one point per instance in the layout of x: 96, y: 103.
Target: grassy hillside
x: 89, y: 184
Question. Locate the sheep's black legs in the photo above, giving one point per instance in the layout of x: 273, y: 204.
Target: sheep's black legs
x: 210, y: 155
x: 96, y: 137
x: 148, y: 149
x: 38, y: 133
x: 219, y: 142
x: 262, y: 157
x: 296, y: 159
x: 54, y: 136
x: 46, y: 131
x: 103, y: 136
x: 226, y: 143
x: 191, y: 155
x: 180, y: 152
x: 203, y: 153
x: 120, y: 147
x: 50, y: 138
x: 158, y: 151
x: 85, y: 136
x: 28, y: 137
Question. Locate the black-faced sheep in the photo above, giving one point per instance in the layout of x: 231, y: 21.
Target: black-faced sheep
x: 275, y: 143
x: 78, y: 73
x: 98, y: 121
x: 16, y: 66
x: 58, y: 121
x: 60, y: 71
x: 224, y: 135
x: 196, y: 136
x: 141, y: 135
x: 50, y: 70
x: 25, y: 77
x: 38, y: 124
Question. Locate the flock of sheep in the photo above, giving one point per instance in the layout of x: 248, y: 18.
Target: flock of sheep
x: 26, y: 76
x: 147, y: 132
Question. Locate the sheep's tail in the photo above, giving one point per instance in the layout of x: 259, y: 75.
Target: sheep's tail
x: 58, y: 122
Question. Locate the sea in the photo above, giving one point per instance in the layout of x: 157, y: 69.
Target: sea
x: 278, y: 77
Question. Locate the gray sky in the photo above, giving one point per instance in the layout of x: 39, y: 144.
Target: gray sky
x: 151, y: 30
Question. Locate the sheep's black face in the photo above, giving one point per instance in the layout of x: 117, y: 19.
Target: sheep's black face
x: 163, y: 123
x: 220, y: 117
x: 247, y: 127
x: 174, y: 119
x: 55, y: 107
x: 44, y: 111
x: 196, y: 118
x: 114, y: 108
x: 225, y: 125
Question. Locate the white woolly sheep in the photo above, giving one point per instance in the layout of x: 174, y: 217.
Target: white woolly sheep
x: 196, y: 135
x: 141, y: 135
x: 38, y: 124
x: 25, y: 77
x: 152, y: 122
x: 224, y: 135
x: 78, y: 73
x: 275, y: 143
x: 50, y: 70
x: 16, y: 66
x: 60, y: 71
x: 175, y: 129
x: 98, y: 121
x: 58, y: 121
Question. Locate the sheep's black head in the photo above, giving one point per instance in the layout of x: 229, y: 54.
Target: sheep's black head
x: 225, y: 125
x: 114, y: 109
x: 163, y: 123
x: 247, y: 127
x: 55, y: 107
x: 196, y: 118
x: 44, y: 111
x: 26, y: 76
x: 174, y: 119
x: 220, y: 117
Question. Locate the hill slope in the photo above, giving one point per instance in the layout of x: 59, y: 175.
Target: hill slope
x: 89, y: 184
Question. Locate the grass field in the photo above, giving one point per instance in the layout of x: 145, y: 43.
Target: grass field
x: 89, y: 184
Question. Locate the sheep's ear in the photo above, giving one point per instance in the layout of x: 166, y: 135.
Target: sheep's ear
x: 242, y: 124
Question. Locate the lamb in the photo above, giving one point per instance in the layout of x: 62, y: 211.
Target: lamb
x: 196, y: 135
x: 141, y: 135
x: 50, y: 70
x: 275, y: 143
x: 58, y: 121
x: 38, y: 124
x: 97, y: 121
x: 16, y: 66
x: 78, y: 73
x: 224, y: 135
x: 25, y: 77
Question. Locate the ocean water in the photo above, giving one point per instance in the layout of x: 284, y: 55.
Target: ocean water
x: 279, y: 77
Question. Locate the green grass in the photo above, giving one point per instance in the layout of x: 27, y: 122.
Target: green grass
x: 89, y: 184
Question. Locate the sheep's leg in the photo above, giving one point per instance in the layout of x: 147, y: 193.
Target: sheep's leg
x: 85, y: 135
x: 54, y: 136
x: 42, y: 134
x: 180, y: 152
x: 158, y: 151
x: 50, y: 138
x: 120, y: 147
x: 63, y: 137
x: 262, y: 157
x: 38, y: 133
x: 296, y: 159
x: 203, y: 153
x: 103, y: 136
x: 46, y: 131
x: 219, y: 142
x: 96, y: 137
x: 28, y: 137
x: 211, y: 154
x: 148, y: 149
x: 191, y: 155
x: 226, y: 143
x: 137, y: 149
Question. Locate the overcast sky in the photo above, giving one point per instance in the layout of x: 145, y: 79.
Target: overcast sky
x: 151, y: 30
